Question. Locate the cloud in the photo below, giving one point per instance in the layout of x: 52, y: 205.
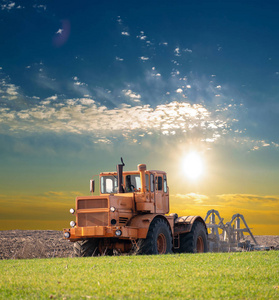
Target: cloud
x: 144, y: 58
x: 132, y: 119
x: 59, y: 31
x: 126, y: 33
x: 251, y: 143
x: 8, y: 91
x: 249, y: 198
x: 54, y: 97
x: 135, y: 97
x: 9, y: 5
x: 40, y: 7
x: 177, y: 51
x: 85, y: 116
x: 142, y: 36
x: 79, y: 83
x: 187, y: 50
x: 192, y: 198
x: 119, y: 20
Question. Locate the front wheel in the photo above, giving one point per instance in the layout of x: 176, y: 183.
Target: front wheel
x: 157, y: 241
x: 195, y: 241
x: 85, y: 248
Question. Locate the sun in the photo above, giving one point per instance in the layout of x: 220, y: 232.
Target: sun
x: 193, y: 165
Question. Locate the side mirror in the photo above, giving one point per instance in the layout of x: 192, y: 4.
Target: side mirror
x: 92, y: 186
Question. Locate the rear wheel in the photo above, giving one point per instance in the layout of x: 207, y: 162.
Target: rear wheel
x: 85, y: 248
x: 195, y: 241
x: 158, y: 239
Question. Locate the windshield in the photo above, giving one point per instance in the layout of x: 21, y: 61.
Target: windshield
x: 132, y: 183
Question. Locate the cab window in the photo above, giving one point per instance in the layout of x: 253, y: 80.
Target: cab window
x: 109, y: 184
x: 159, y: 183
x: 147, y: 182
x: 151, y: 182
x: 165, y: 184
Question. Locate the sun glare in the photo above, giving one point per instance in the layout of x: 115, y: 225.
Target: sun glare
x: 193, y: 165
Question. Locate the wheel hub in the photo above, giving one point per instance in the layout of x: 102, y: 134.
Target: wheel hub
x: 161, y: 244
x: 200, y: 245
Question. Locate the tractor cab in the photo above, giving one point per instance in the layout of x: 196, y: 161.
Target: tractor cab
x: 149, y: 188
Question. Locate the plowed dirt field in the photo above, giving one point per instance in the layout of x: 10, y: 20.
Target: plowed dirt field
x: 16, y: 244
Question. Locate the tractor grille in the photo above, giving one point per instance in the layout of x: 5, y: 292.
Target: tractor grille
x: 92, y: 203
x: 93, y: 218
x: 123, y: 220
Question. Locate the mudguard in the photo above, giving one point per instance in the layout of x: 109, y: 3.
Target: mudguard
x: 142, y: 222
x: 184, y: 224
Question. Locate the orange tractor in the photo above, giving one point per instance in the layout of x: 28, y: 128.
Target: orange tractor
x: 130, y: 216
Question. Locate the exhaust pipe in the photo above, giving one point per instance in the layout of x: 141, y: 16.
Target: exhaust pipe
x: 141, y: 169
x: 120, y: 176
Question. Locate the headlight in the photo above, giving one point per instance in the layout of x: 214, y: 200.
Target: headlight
x: 66, y: 235
x: 72, y: 223
x: 112, y: 209
x: 118, y: 232
x: 72, y: 211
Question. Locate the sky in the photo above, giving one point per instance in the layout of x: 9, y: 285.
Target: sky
x: 188, y: 87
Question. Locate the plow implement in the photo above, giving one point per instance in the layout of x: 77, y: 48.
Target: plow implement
x: 226, y: 237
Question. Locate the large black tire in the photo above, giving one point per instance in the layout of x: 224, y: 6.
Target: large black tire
x: 86, y: 248
x: 195, y: 241
x: 157, y: 241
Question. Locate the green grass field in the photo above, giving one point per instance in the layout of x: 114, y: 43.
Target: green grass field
x: 250, y: 275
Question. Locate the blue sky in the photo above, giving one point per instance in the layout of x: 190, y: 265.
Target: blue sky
x: 85, y: 82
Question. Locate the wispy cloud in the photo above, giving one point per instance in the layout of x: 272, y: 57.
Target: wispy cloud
x: 85, y: 116
x: 144, y: 58
x: 8, y: 91
x: 170, y: 114
x: 249, y: 198
x: 119, y: 20
x: 177, y: 51
x: 9, y: 5
x: 142, y: 36
x: 135, y: 97
x: 40, y: 7
x: 59, y: 31
x: 192, y: 197
x: 187, y: 50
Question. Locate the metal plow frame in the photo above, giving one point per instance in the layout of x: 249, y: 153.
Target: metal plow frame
x: 232, y: 236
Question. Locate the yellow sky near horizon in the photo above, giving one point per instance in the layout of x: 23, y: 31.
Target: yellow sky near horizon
x: 50, y: 211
